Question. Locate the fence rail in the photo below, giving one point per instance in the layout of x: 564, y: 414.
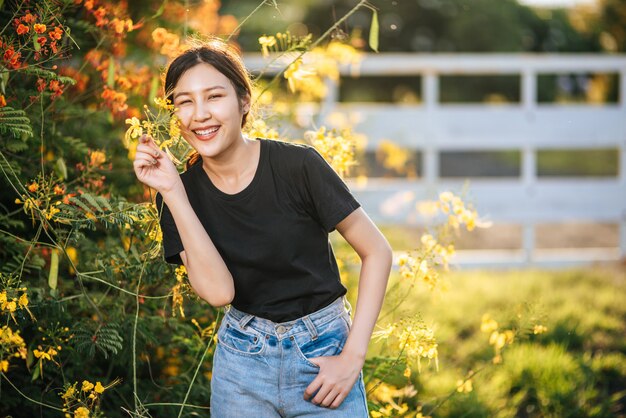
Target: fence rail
x: 433, y: 127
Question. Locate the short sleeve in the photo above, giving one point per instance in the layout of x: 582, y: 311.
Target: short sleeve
x: 326, y: 192
x: 172, y: 245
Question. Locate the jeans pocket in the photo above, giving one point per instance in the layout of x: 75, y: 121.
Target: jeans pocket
x: 241, y: 341
x: 330, y: 340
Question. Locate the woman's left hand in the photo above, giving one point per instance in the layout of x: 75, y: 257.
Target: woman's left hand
x: 335, y: 379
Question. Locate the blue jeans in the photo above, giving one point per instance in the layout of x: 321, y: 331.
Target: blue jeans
x: 261, y: 368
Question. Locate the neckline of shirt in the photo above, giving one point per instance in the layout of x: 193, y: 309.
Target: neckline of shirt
x: 246, y: 190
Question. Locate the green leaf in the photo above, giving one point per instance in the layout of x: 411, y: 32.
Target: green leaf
x: 62, y: 168
x: 36, y: 372
x: 153, y: 89
x: 111, y: 72
x: 4, y: 78
x: 373, y: 39
x: 36, y: 44
x: 54, y: 269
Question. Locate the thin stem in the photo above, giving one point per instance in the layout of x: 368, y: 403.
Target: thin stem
x: 198, y: 367
x: 30, y: 399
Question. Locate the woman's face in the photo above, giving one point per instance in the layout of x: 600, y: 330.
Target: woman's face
x: 209, y: 109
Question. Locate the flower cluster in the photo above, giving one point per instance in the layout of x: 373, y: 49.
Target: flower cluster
x: 458, y: 212
x: 392, y: 398
x: 337, y: 147
x: 414, y: 340
x: 393, y: 157
x: 41, y: 32
x: 111, y: 17
x: 82, y: 401
x: 11, y: 345
x: 39, y: 200
x: 178, y: 290
x: 168, y: 43
x: 10, y: 304
x: 163, y: 126
x: 497, y: 338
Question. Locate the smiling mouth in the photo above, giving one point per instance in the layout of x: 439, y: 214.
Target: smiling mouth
x: 205, y: 133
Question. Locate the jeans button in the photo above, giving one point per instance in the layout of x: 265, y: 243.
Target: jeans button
x: 281, y: 329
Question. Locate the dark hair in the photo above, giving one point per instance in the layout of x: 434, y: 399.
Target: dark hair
x: 225, y: 59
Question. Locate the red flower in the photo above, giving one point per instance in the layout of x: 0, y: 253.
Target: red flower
x: 42, y: 40
x: 53, y: 46
x: 22, y: 29
x: 41, y: 84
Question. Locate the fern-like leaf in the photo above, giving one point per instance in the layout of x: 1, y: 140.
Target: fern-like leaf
x: 14, y: 121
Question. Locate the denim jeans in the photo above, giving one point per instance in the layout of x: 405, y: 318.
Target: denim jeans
x: 261, y: 368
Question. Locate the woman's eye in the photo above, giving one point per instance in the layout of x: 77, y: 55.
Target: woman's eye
x: 183, y: 102
x: 214, y: 96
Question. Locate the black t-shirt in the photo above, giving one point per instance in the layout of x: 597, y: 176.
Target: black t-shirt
x: 272, y: 235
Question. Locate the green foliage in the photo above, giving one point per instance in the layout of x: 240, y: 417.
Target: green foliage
x: 105, y: 339
x: 16, y: 122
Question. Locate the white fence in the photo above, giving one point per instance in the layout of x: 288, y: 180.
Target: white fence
x: 434, y: 127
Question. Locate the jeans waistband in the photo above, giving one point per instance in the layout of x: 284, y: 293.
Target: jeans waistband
x: 308, y: 322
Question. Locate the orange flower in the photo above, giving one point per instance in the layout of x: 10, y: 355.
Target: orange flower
x: 22, y: 29
x: 39, y: 27
x: 12, y: 58
x: 33, y: 187
x: 58, y: 189
x: 56, y: 33
x: 42, y: 40
x: 41, y: 84
x: 56, y: 88
x: 28, y: 18
x: 100, y: 15
x: 3, y: 101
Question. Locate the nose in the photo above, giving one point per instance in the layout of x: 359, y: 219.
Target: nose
x: 201, y: 112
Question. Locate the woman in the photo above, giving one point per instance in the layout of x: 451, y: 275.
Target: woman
x: 249, y: 219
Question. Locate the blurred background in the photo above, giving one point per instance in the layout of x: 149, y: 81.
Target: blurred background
x: 521, y: 104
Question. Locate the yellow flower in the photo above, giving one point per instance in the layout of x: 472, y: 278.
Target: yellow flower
x: 97, y: 158
x: 135, y: 130
x: 81, y: 412
x: 488, y: 324
x: 33, y: 187
x: 266, y: 42
x: 4, y: 366
x: 69, y: 393
x: 41, y: 354
x: 87, y: 386
x: 99, y: 388
x: 464, y: 386
x: 174, y: 128
x: 539, y: 329
x: 162, y: 103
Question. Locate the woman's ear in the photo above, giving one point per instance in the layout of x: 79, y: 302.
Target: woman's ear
x: 245, y: 104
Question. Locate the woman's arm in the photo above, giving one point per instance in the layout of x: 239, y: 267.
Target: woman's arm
x: 338, y: 373
x: 207, y: 272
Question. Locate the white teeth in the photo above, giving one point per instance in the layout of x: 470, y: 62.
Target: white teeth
x: 207, y: 131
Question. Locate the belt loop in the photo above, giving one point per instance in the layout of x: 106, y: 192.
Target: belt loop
x: 244, y: 321
x: 348, y: 307
x: 310, y: 326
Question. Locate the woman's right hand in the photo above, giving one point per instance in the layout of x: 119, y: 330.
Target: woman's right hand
x: 153, y: 167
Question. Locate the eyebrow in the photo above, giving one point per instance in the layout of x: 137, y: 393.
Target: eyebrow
x: 182, y: 93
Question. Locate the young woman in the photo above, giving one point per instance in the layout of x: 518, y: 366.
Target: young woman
x: 249, y: 219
